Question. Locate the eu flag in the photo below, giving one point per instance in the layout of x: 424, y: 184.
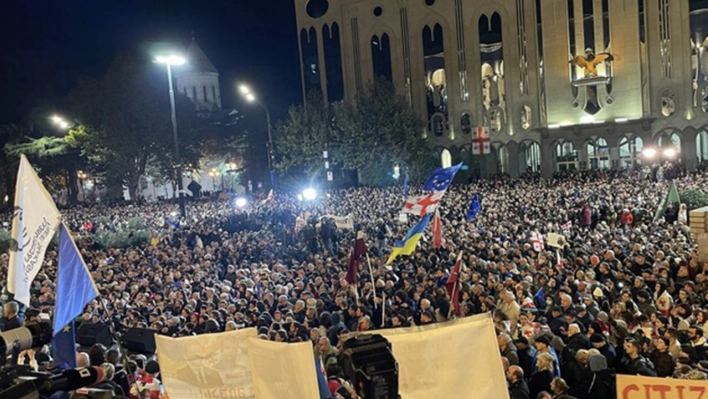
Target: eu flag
x: 441, y: 178
x: 75, y: 289
x: 474, y: 208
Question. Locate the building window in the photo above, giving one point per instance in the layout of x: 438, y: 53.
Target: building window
x: 598, y: 154
x: 204, y: 90
x: 532, y: 156
x: 702, y: 146
x: 194, y: 93
x: 445, y: 158
x: 630, y: 151
x: 381, y: 57
x: 566, y: 156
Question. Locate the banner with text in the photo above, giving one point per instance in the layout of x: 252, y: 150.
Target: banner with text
x: 283, y: 371
x: 458, y: 359
x: 638, y: 387
x: 207, y: 366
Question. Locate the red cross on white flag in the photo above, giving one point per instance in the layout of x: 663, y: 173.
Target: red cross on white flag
x: 422, y: 205
x: 481, y: 141
x: 537, y: 241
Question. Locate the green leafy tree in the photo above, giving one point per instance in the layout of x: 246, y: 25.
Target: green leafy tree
x: 377, y: 131
x: 125, y: 123
x: 303, y: 136
x: 57, y: 160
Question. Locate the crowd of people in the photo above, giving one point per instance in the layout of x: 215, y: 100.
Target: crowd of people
x: 624, y: 294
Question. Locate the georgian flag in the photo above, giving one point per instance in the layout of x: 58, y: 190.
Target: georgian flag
x: 537, y: 241
x: 481, y: 141
x: 422, y: 205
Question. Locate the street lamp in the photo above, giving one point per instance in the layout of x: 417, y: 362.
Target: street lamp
x: 59, y: 121
x: 251, y: 98
x: 169, y: 61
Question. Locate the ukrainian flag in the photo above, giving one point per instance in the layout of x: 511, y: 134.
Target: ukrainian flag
x: 410, y: 241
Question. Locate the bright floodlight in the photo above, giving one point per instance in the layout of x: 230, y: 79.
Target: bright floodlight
x: 649, y: 153
x: 250, y: 97
x: 241, y: 202
x: 63, y: 125
x: 669, y: 153
x: 244, y: 89
x: 56, y: 119
x: 170, y: 59
x: 309, y: 194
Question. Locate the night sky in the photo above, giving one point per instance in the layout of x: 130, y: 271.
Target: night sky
x: 46, y: 46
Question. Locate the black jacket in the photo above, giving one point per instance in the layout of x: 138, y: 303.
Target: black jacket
x: 541, y: 381
x: 520, y: 390
x: 663, y: 363
x: 602, y: 385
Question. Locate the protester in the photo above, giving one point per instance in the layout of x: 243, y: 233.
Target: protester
x: 616, y: 285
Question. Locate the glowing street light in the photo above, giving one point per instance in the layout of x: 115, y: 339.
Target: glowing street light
x: 251, y: 98
x: 169, y: 61
x: 57, y: 119
x: 649, y: 153
x: 309, y: 194
x: 669, y: 153
x: 241, y: 202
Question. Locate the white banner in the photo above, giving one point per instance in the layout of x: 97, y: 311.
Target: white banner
x: 34, y: 221
x: 207, y: 366
x: 342, y: 222
x: 458, y: 359
x: 283, y: 370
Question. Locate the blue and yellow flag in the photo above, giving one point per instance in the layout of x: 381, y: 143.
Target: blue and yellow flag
x: 410, y: 241
x: 75, y: 289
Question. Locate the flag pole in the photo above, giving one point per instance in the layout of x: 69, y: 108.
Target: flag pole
x: 455, y: 290
x: 371, y: 273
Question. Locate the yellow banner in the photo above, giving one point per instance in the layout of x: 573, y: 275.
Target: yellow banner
x: 208, y: 366
x: 458, y: 359
x: 283, y: 370
x: 637, y: 387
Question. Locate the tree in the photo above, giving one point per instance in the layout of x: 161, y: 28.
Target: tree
x: 9, y: 134
x: 302, y: 137
x: 57, y: 160
x: 378, y: 131
x: 125, y: 123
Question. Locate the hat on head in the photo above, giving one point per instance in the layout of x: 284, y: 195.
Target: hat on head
x: 597, y: 338
x: 544, y: 339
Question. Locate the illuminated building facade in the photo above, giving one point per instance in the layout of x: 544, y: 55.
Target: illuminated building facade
x: 638, y: 80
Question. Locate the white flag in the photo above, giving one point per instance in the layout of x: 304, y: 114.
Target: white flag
x: 34, y: 221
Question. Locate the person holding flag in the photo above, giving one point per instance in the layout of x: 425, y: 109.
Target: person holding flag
x: 453, y: 287
x: 441, y: 179
x: 75, y: 289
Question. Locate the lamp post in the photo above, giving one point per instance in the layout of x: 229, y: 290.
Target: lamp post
x: 169, y: 61
x: 251, y: 98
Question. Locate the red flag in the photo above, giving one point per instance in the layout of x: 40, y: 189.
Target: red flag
x: 357, y: 252
x: 438, y: 240
x: 453, y: 286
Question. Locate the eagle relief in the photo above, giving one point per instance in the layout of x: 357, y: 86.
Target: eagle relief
x: 590, y: 61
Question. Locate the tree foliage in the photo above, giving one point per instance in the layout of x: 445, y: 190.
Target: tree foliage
x: 125, y: 122
x: 378, y: 131
x: 302, y: 137
x: 369, y: 135
x: 694, y: 198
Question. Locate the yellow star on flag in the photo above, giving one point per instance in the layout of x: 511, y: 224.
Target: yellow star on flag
x: 66, y: 328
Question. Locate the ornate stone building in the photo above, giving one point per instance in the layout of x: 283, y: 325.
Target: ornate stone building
x: 637, y: 90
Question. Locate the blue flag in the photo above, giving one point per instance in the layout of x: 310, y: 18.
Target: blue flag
x: 405, y: 185
x: 474, y: 208
x: 75, y: 289
x: 321, y: 380
x: 540, y: 298
x: 441, y: 178
x: 64, y: 347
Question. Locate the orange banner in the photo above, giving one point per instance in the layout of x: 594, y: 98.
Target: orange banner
x: 637, y: 387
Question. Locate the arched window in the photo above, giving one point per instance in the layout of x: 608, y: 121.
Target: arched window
x: 445, y: 158
x: 532, y: 157
x: 598, y: 154
x: 670, y: 139
x: 213, y: 93
x: 566, y: 156
x: 503, y: 159
x: 204, y: 90
x: 194, y: 94
x: 702, y: 146
x: 630, y: 151
x: 381, y: 57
